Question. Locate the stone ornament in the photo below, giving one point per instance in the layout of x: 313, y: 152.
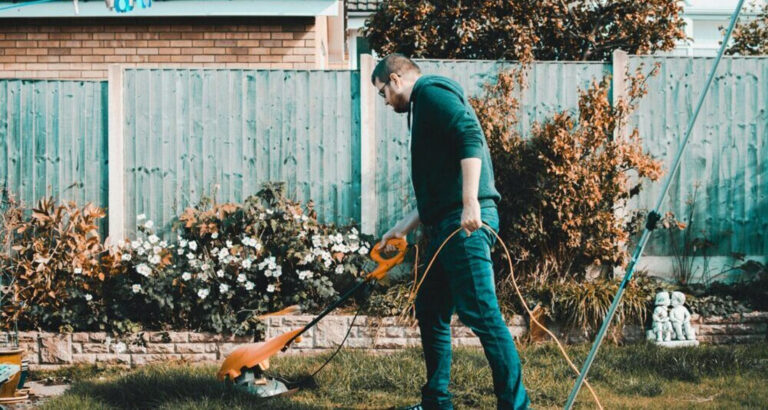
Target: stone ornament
x: 671, y: 327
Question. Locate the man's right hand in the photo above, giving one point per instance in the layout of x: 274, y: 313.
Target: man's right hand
x: 400, y: 230
x: 395, y: 232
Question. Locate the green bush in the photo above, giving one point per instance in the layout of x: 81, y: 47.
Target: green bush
x: 230, y: 264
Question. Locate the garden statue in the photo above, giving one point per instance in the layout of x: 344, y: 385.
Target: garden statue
x: 671, y: 327
x: 680, y: 318
x: 662, y: 329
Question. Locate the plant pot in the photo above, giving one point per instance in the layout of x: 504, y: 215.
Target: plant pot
x: 10, y: 356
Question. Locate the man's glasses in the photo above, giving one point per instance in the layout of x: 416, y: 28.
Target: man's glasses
x: 381, y: 90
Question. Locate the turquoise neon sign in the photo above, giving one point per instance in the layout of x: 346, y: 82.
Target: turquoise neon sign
x: 124, y: 6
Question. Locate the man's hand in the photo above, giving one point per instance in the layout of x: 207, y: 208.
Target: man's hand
x: 391, y: 234
x: 470, y: 216
x: 400, y: 230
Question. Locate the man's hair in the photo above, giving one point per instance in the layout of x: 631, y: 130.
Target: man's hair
x: 393, y: 63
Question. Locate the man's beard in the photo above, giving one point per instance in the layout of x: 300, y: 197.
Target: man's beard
x: 400, y: 106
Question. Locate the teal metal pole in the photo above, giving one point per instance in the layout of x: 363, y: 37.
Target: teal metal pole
x: 652, y: 218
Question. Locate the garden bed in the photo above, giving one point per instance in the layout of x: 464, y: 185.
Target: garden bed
x: 47, y: 350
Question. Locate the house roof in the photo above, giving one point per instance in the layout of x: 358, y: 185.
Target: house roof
x: 363, y: 5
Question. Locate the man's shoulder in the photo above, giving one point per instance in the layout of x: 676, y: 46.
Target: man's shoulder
x: 437, y: 87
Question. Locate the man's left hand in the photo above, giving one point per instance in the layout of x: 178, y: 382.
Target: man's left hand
x: 470, y: 217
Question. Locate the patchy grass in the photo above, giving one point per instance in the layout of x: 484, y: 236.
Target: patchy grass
x: 636, y: 376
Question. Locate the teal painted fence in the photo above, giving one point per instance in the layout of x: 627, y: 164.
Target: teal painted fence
x: 553, y: 86
x: 53, y: 140
x: 223, y: 133
x: 190, y: 132
x: 726, y: 161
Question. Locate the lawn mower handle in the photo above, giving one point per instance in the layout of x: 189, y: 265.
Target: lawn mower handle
x: 386, y: 264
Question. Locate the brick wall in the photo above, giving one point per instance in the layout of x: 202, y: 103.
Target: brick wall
x: 47, y: 350
x: 80, y: 48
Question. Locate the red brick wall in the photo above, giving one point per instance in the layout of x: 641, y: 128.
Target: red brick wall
x: 83, y: 48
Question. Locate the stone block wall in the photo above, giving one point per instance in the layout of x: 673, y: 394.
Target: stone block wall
x: 83, y: 48
x: 47, y: 350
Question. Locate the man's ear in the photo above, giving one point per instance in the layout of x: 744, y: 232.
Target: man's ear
x: 396, y: 79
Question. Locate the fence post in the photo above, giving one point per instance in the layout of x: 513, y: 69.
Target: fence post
x: 116, y: 169
x: 619, y: 61
x: 368, y: 199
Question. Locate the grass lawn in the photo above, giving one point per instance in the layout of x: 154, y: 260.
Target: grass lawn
x: 635, y: 376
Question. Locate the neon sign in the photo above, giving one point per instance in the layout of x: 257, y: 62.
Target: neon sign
x: 124, y: 6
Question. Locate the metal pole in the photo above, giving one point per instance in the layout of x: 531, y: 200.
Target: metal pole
x: 649, y: 226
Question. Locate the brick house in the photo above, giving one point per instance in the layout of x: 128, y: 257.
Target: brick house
x: 49, y: 41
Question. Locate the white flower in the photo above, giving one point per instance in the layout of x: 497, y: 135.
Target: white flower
x: 180, y: 251
x: 223, y: 288
x: 304, y: 218
x: 229, y: 244
x: 147, y: 245
x: 140, y: 251
x: 261, y: 216
x: 220, y: 273
x: 141, y: 217
x: 247, y: 264
x: 149, y: 224
x: 153, y: 239
x: 136, y: 288
x: 267, y: 273
x: 249, y: 285
x: 143, y: 269
x: 271, y: 288
x: 327, y: 263
x: 203, y: 293
x: 183, y: 243
x: 269, y: 212
x: 193, y: 245
x: 214, y: 235
x: 205, y: 266
x: 305, y: 274
x: 278, y: 271
x: 363, y: 250
x: 78, y: 270
x: 190, y: 255
x: 126, y: 257
x: 154, y: 259
x: 241, y: 278
x: 186, y: 276
x: 339, y: 269
x: 157, y: 249
x: 223, y: 253
x: 119, y: 347
x: 163, y: 244
x: 88, y: 297
x: 354, y: 231
x: 354, y: 247
x: 136, y: 244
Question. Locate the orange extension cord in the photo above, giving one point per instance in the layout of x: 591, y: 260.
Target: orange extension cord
x: 417, y: 285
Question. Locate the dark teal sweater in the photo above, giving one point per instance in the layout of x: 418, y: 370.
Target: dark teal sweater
x: 445, y: 130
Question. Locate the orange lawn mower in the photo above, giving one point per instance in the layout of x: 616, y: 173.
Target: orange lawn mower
x: 245, y: 368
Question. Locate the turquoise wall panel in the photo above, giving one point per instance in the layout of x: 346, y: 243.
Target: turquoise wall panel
x: 223, y: 133
x: 726, y: 161
x: 53, y: 140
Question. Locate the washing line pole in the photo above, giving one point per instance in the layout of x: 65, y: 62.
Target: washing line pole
x: 653, y: 217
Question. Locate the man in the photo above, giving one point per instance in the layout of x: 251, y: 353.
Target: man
x: 452, y: 177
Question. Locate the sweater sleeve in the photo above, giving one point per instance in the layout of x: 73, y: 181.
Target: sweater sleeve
x: 447, y: 109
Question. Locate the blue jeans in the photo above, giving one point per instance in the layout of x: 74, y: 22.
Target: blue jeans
x: 462, y: 280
